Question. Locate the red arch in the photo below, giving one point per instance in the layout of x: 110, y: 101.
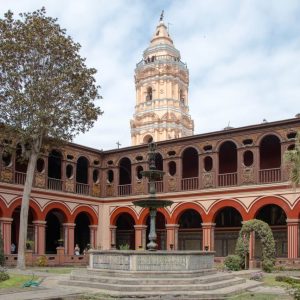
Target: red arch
x: 260, y: 203
x: 185, y: 206
x: 216, y: 207
x: 295, y: 212
x: 37, y: 214
x: 3, y: 208
x: 58, y: 206
x: 87, y: 210
x: 121, y: 210
x: 143, y: 217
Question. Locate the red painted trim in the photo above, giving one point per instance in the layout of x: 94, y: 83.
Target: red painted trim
x: 88, y: 211
x: 295, y: 212
x: 37, y: 214
x: 121, y: 210
x: 216, y: 207
x: 185, y: 206
x: 263, y: 201
x: 145, y: 213
x: 58, y: 206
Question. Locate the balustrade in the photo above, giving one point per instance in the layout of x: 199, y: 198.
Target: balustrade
x: 124, y: 189
x: 82, y: 188
x: 228, y: 179
x: 159, y: 186
x: 20, y: 178
x: 270, y: 175
x: 189, y: 183
x: 55, y: 184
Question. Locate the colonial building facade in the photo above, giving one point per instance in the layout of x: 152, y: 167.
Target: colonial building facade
x: 217, y: 180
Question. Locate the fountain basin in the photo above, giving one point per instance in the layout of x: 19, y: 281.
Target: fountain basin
x: 158, y: 261
x: 152, y: 202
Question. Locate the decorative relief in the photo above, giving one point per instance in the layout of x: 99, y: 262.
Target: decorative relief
x: 139, y: 188
x: 69, y: 186
x: 247, y: 175
x: 208, y: 180
x: 40, y: 180
x: 172, y: 184
x: 6, y: 175
x: 96, y: 190
x: 109, y: 190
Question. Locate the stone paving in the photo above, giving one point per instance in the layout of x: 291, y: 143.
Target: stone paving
x: 50, y: 289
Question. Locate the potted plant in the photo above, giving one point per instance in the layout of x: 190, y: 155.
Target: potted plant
x: 29, y: 245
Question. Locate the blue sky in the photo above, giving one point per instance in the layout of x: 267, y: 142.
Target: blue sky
x: 243, y: 57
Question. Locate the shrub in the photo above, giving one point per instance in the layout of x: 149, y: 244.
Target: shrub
x: 265, y: 234
x: 280, y: 278
x: 3, y: 274
x: 232, y: 262
x: 267, y: 265
x: 124, y: 247
x: 42, y: 261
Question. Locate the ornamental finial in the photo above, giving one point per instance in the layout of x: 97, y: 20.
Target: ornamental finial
x: 161, y: 16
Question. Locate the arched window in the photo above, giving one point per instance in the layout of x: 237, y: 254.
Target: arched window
x: 149, y: 94
x: 181, y: 96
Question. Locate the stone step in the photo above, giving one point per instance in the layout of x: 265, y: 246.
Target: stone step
x: 82, y: 276
x: 150, y: 274
x: 155, y: 294
x: 157, y: 287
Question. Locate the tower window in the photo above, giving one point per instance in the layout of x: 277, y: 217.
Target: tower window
x: 149, y: 94
x: 181, y: 96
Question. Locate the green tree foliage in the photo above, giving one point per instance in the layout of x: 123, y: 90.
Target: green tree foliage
x: 47, y: 93
x: 292, y: 160
x: 264, y: 233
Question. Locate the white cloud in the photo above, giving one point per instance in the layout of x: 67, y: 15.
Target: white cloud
x: 243, y: 57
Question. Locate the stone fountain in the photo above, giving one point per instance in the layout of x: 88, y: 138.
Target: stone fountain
x: 142, y: 274
x: 152, y: 202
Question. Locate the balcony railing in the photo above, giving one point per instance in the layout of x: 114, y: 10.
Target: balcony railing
x: 124, y: 189
x: 159, y: 186
x: 270, y: 175
x: 188, y: 184
x: 82, y: 188
x: 228, y: 179
x: 20, y: 178
x: 55, y: 184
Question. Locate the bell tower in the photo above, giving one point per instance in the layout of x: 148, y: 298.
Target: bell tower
x: 161, y: 82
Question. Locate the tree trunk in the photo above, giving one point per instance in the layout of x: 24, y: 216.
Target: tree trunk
x: 25, y: 205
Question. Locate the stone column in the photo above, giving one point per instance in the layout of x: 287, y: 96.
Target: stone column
x: 39, y: 236
x: 140, y: 236
x: 293, y: 238
x: 69, y: 229
x: 208, y: 236
x: 93, y: 236
x: 6, y: 233
x: 113, y: 234
x: 172, y: 236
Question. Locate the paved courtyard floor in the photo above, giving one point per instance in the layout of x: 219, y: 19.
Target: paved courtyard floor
x: 50, y: 289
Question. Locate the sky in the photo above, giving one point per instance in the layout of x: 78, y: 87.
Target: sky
x: 243, y: 57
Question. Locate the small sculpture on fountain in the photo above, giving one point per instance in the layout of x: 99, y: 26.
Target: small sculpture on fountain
x: 152, y: 202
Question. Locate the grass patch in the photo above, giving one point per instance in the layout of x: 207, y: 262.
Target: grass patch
x: 269, y: 280
x: 259, y: 296
x: 15, y: 281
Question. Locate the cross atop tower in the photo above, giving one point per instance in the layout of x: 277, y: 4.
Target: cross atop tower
x: 161, y: 16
